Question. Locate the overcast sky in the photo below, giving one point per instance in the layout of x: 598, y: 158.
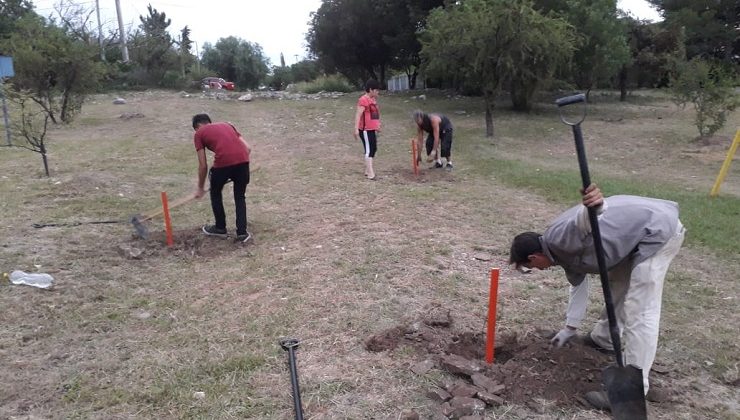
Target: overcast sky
x: 276, y: 25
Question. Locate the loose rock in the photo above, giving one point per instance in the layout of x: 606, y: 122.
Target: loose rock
x: 462, y: 389
x: 439, y: 395
x: 465, y: 406
x: 422, y: 367
x: 490, y: 399
x: 459, y: 365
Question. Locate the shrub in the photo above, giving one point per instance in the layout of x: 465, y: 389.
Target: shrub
x: 330, y: 83
x: 173, y: 79
x: 709, y: 88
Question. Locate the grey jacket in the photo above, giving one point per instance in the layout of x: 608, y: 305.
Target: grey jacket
x: 631, y: 227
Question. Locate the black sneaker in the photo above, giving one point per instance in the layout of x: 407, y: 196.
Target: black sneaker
x: 212, y: 230
x: 243, y: 238
x: 438, y: 164
x: 449, y: 166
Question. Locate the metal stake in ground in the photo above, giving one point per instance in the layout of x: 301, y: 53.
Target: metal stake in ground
x: 289, y: 345
x: 623, y: 383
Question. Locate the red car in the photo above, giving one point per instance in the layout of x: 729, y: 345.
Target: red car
x: 216, y: 83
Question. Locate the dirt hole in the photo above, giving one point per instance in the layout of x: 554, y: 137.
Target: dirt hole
x: 526, y: 365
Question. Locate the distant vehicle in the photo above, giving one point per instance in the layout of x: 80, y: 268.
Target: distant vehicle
x: 216, y: 83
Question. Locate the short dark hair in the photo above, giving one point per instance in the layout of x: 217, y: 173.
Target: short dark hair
x: 524, y: 245
x: 201, y: 119
x: 371, y: 84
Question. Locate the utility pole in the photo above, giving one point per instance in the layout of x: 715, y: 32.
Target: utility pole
x: 197, y: 56
x: 100, y: 31
x: 296, y: 57
x: 124, y: 49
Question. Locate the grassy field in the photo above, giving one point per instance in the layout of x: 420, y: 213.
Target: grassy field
x: 192, y: 331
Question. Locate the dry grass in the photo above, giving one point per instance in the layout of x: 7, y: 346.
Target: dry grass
x: 336, y: 258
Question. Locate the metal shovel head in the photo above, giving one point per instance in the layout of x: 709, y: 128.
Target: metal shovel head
x: 626, y: 392
x: 141, y: 230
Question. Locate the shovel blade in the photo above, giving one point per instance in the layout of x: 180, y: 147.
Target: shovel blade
x: 141, y: 230
x: 626, y: 392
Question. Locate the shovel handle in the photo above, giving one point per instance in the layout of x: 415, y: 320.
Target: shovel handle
x: 599, y: 248
x: 568, y: 100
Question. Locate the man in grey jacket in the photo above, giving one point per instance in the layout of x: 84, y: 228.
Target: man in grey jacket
x: 641, y: 236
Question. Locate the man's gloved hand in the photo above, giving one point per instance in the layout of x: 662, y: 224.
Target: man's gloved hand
x: 563, y: 337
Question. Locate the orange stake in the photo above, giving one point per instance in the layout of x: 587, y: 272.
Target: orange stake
x: 414, y: 162
x: 491, y: 331
x: 167, y: 223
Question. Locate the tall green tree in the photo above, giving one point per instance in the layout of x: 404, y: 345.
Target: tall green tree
x: 151, y: 47
x: 602, y: 48
x: 185, y: 51
x: 488, y: 43
x: 363, y: 39
x: 304, y: 70
x: 238, y: 60
x: 712, y: 27
x: 654, y: 51
x: 57, y: 69
x: 344, y: 36
x: 10, y: 12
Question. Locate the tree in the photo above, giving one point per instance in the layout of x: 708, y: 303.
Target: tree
x: 151, y: 47
x: 711, y: 27
x: 404, y: 20
x: 709, y: 89
x: 238, y: 60
x: 602, y: 47
x: 57, y: 69
x: 30, y: 126
x: 343, y: 36
x: 185, y: 51
x: 363, y: 39
x: 487, y: 43
x: 10, y: 12
x: 654, y: 50
x: 280, y: 78
x: 304, y: 71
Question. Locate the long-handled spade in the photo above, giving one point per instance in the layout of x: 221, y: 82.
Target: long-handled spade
x: 289, y: 345
x: 623, y: 383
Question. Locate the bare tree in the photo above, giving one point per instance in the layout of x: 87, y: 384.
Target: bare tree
x: 31, y: 126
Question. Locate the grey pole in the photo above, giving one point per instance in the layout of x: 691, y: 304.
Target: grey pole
x: 100, y: 31
x: 5, y: 113
x: 124, y: 49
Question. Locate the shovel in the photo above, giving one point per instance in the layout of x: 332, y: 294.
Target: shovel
x: 623, y: 384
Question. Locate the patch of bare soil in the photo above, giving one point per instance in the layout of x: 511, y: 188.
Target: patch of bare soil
x: 186, y: 243
x: 525, y: 370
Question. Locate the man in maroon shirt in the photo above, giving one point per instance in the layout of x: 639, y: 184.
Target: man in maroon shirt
x: 231, y: 162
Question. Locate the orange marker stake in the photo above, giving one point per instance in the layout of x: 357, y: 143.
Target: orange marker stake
x: 167, y: 224
x: 414, y: 163
x: 491, y: 330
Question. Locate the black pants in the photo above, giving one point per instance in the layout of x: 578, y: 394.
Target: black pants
x: 219, y: 177
x: 445, y: 140
x: 369, y: 142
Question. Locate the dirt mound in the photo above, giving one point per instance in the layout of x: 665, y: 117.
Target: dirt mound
x: 526, y: 365
x: 186, y: 243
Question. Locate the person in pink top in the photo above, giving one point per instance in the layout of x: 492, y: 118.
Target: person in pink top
x: 367, y: 124
x: 231, y: 162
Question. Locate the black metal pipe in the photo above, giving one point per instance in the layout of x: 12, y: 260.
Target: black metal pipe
x: 599, y: 248
x: 289, y: 345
